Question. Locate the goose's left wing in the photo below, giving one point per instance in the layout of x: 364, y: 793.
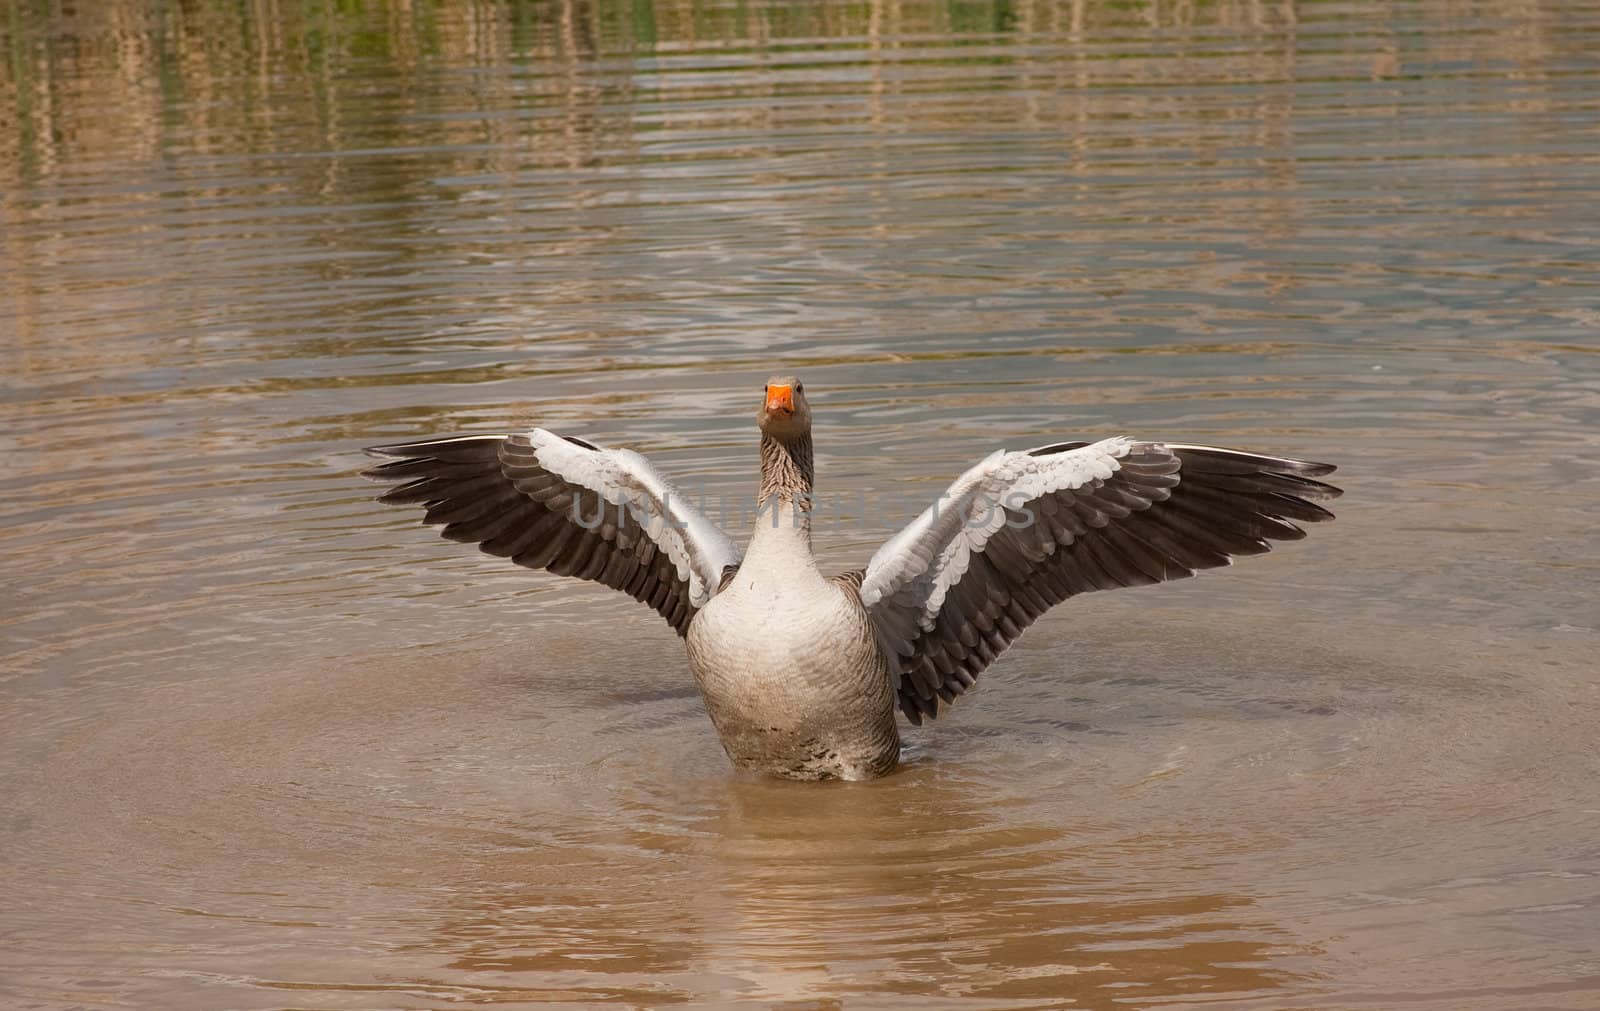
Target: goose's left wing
x: 570, y: 507
x: 1022, y: 531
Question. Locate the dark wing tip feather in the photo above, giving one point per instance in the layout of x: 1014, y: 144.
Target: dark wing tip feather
x: 423, y: 490
x: 1234, y: 461
x: 461, y: 447
x: 1289, y: 478
x: 382, y: 472
x: 434, y: 457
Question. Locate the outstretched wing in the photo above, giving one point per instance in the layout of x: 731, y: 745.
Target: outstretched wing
x: 1020, y: 532
x: 567, y: 506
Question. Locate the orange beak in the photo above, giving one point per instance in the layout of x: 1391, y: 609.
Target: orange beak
x: 780, y: 398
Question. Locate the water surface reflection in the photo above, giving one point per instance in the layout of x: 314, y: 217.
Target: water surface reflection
x: 762, y: 893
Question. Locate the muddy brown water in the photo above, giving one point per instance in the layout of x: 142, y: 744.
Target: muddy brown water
x: 264, y: 744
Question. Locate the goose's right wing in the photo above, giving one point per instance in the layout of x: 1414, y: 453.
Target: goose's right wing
x: 567, y: 506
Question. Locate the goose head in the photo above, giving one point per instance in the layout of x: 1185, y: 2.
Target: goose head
x: 785, y: 415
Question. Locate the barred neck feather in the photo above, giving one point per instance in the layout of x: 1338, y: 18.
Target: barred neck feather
x: 786, y: 471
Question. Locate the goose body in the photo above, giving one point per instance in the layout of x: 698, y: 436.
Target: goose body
x: 789, y: 668
x: 801, y: 673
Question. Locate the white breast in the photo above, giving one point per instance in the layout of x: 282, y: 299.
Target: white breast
x: 794, y: 681
x: 789, y: 667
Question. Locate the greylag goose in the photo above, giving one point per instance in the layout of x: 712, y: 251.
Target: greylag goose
x: 801, y: 672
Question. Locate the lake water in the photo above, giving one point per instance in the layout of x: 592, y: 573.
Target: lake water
x: 266, y: 744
